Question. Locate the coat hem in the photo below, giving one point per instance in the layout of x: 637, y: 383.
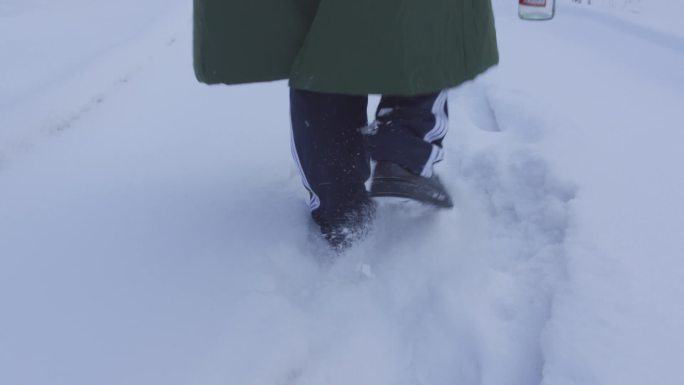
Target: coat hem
x: 334, y: 86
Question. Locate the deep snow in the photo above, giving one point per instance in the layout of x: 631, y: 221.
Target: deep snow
x: 154, y: 231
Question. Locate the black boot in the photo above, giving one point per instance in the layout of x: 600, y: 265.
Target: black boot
x: 345, y: 226
x: 392, y: 180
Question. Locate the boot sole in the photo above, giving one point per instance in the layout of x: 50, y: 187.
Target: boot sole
x: 398, y: 188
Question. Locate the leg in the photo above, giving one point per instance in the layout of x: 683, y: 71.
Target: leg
x: 329, y: 150
x: 410, y: 131
x: 406, y: 143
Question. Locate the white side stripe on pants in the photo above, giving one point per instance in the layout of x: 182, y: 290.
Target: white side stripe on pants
x: 441, y: 119
x: 315, y: 201
x: 436, y: 155
x: 438, y: 132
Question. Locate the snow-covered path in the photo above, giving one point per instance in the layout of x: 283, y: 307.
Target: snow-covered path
x: 614, y: 93
x: 153, y: 231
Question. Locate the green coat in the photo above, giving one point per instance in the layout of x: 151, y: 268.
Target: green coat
x: 393, y: 47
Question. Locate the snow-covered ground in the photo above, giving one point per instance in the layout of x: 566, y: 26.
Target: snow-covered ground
x: 655, y: 15
x: 154, y: 231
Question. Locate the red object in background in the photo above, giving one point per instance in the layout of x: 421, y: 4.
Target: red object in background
x: 533, y: 3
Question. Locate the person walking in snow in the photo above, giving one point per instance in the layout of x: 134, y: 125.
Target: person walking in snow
x: 335, y: 53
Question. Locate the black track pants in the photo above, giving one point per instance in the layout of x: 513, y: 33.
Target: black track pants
x: 332, y: 143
